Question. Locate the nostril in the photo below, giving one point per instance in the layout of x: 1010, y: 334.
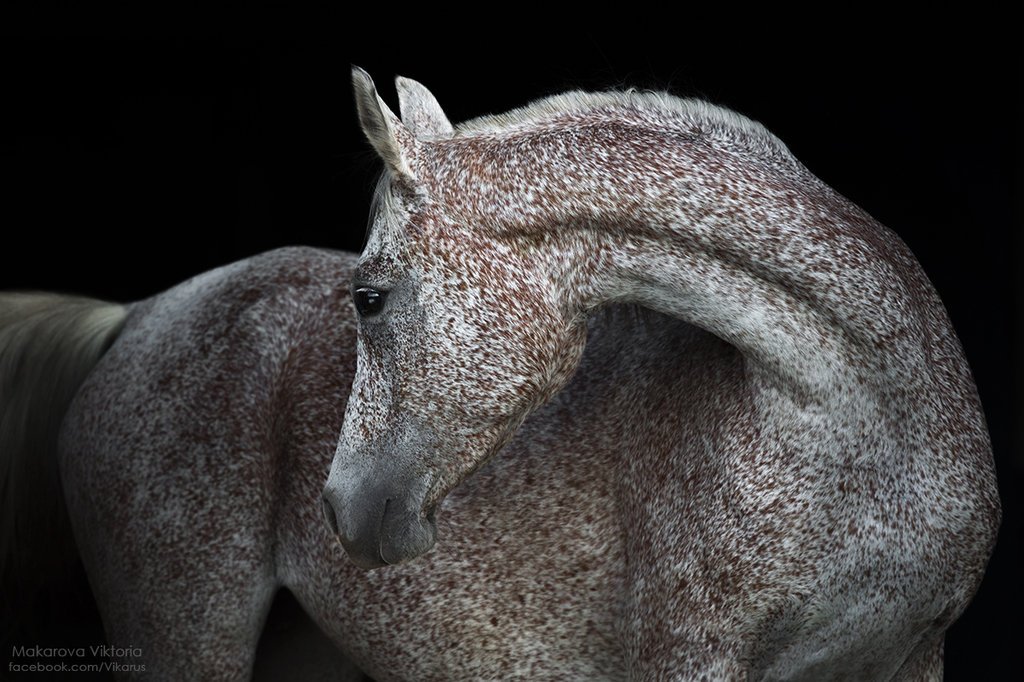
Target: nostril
x: 332, y: 519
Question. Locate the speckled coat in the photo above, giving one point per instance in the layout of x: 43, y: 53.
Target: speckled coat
x: 717, y: 421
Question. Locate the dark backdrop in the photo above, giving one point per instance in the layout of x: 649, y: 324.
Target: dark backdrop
x: 127, y: 166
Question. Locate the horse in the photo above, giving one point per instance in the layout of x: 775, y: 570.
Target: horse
x: 676, y: 407
x: 784, y: 467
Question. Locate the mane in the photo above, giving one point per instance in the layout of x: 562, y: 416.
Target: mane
x: 660, y: 110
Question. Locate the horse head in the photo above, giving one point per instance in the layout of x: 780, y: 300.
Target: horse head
x: 462, y: 330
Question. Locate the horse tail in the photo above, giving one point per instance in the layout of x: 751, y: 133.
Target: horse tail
x: 48, y: 345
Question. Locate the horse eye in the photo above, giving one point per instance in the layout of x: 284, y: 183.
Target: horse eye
x: 369, y: 301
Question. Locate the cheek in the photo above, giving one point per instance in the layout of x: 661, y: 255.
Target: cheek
x: 467, y: 376
x: 505, y: 369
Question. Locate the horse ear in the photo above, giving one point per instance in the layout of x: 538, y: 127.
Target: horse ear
x: 420, y: 111
x: 391, y: 140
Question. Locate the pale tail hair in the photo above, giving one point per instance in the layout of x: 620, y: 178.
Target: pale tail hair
x: 48, y: 345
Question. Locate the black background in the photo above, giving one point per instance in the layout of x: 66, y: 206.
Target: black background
x: 129, y: 164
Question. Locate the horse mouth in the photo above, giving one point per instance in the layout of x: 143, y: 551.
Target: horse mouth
x: 404, y: 537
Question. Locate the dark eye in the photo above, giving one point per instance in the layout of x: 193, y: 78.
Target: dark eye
x: 369, y: 301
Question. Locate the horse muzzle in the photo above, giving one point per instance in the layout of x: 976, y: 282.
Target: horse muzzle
x: 379, y: 527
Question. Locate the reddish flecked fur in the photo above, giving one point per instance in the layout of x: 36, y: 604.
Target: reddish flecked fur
x: 717, y: 421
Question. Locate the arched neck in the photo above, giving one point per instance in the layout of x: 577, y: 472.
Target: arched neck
x: 814, y: 293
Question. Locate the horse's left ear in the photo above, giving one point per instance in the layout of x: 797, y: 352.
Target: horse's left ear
x: 395, y: 143
x: 420, y: 111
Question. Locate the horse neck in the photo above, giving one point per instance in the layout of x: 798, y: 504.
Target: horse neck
x: 821, y: 300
